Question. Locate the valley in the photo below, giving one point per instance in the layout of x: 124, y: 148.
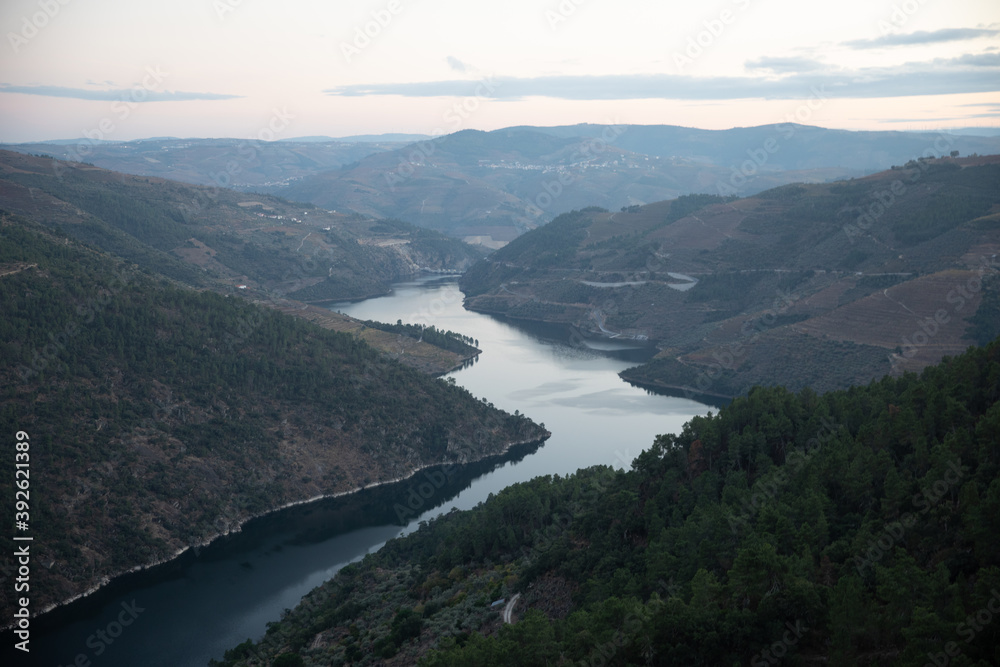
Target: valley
x: 490, y: 187
x: 216, y: 596
x: 262, y: 248
x: 167, y: 397
x: 271, y: 376
x: 798, y: 286
x: 450, y: 334
x: 799, y: 516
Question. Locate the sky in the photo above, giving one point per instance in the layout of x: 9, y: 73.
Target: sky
x: 263, y: 69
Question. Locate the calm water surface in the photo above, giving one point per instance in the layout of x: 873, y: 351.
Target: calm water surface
x: 195, y: 608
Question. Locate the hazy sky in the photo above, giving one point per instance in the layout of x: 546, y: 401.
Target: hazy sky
x: 121, y: 70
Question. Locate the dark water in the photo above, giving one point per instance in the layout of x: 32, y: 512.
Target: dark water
x: 191, y: 610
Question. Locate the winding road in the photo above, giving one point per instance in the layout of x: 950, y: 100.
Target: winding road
x: 510, y: 608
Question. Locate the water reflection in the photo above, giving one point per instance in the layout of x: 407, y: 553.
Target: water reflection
x: 274, y: 560
x: 202, y: 604
x: 707, y: 399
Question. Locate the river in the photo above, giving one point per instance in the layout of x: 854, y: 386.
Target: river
x: 193, y: 609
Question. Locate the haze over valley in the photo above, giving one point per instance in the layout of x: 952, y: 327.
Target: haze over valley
x: 487, y: 188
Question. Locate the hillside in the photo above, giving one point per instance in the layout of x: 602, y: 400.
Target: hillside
x: 242, y: 164
x: 268, y: 250
x: 499, y: 184
x: 822, y: 285
x: 489, y: 187
x: 160, y: 417
x: 855, y: 528
x: 222, y: 238
x: 797, y: 146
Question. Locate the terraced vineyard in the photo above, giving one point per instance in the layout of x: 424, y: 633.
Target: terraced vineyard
x: 804, y: 285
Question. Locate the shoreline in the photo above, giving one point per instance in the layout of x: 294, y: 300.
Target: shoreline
x: 681, y: 392
x: 419, y: 273
x: 237, y: 528
x: 461, y: 364
x: 685, y: 391
x: 586, y: 333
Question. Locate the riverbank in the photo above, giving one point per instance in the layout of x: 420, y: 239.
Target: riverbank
x: 199, y: 606
x: 707, y: 397
x: 418, y: 354
x: 237, y: 525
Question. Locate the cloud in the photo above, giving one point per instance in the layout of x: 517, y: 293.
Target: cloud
x: 974, y: 60
x: 925, y: 120
x: 783, y: 65
x: 922, y: 37
x: 966, y: 74
x: 970, y: 120
x: 136, y: 94
x: 456, y: 64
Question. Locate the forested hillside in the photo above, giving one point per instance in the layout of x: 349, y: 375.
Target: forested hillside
x: 223, y: 238
x: 495, y: 185
x: 270, y: 251
x: 821, y: 285
x: 237, y: 163
x: 859, y: 527
x: 160, y: 416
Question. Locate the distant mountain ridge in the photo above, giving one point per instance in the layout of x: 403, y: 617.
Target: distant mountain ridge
x: 388, y: 137
x: 790, y: 146
x: 490, y: 187
x: 230, y: 163
x: 504, y: 182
